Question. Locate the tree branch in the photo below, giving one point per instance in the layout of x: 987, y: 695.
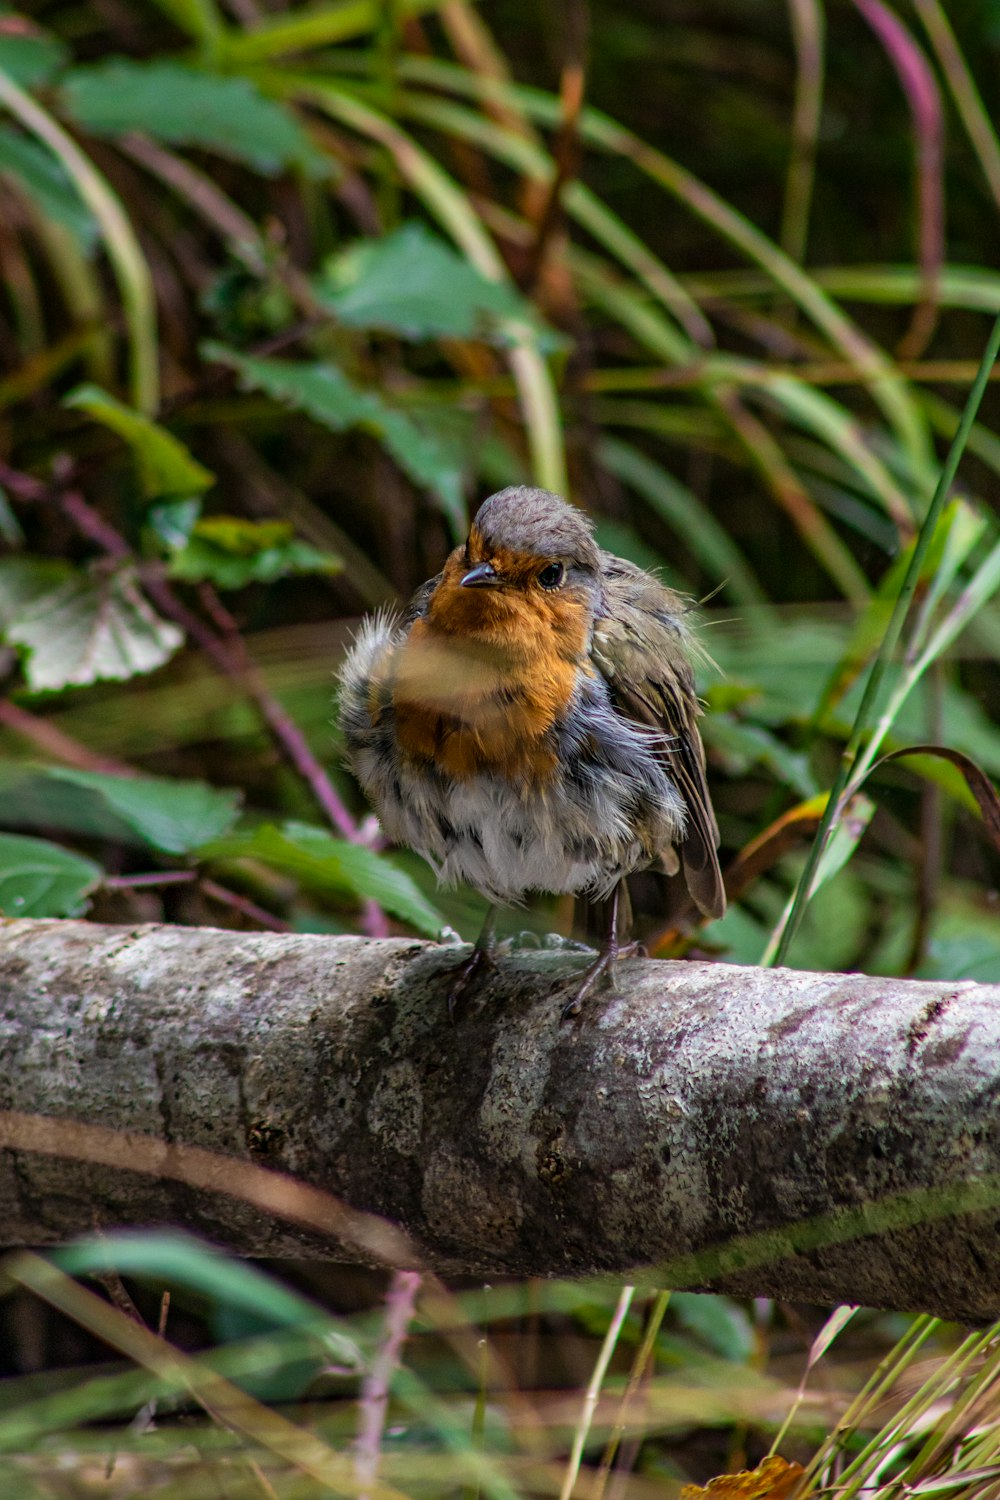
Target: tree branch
x: 813, y: 1137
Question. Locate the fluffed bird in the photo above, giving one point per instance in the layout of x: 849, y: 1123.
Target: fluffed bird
x: 531, y: 724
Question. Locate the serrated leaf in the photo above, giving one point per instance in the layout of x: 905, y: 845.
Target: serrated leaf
x: 331, y: 866
x: 165, y: 465
x: 411, y: 282
x: 187, y: 107
x: 324, y: 393
x: 46, y: 182
x: 76, y: 626
x: 39, y: 879
x: 172, y: 816
x: 232, y: 552
x: 32, y: 58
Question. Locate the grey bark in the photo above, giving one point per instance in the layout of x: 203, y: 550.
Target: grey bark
x: 809, y: 1136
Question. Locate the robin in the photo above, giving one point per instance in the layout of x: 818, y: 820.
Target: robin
x: 531, y: 723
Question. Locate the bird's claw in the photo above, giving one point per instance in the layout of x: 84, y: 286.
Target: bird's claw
x: 600, y: 972
x: 479, y: 961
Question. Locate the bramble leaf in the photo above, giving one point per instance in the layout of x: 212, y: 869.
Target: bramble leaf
x: 39, y: 879
x: 186, y: 106
x: 77, y: 626
x: 331, y: 866
x: 324, y: 393
x: 165, y: 465
x: 32, y: 57
x: 47, y: 183
x: 172, y: 816
x: 413, y: 283
x: 232, y: 552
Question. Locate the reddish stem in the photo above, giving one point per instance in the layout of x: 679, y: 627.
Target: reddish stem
x: 58, y: 746
x: 399, y: 1311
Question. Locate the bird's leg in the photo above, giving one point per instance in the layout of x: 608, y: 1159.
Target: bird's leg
x: 602, y: 968
x: 479, y: 959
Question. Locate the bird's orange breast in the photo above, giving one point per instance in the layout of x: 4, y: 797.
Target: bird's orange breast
x: 481, y: 680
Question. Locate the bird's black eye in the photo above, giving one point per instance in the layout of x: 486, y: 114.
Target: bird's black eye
x: 552, y: 576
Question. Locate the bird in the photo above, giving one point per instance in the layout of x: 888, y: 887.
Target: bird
x: 530, y: 723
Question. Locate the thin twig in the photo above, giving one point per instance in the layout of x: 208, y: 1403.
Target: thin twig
x: 148, y: 880
x: 399, y: 1311
x: 244, y: 906
x: 55, y: 744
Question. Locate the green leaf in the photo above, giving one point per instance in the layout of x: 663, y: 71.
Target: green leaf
x: 232, y: 552
x: 187, y: 107
x: 38, y: 879
x: 332, y: 867
x: 165, y: 465
x: 32, y: 58
x: 720, y: 1322
x: 175, y: 816
x: 46, y: 182
x: 965, y: 942
x: 412, y: 283
x: 171, y: 522
x: 76, y: 627
x: 172, y: 816
x: 324, y: 393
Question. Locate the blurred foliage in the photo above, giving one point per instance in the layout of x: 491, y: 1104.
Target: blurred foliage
x: 285, y: 289
x: 285, y: 293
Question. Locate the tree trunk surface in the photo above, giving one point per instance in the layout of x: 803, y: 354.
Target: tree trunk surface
x: 814, y: 1137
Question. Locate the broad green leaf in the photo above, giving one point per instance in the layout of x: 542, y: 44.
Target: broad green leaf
x: 75, y: 626
x: 324, y: 393
x: 165, y: 465
x: 175, y: 816
x: 187, y: 107
x: 172, y: 816
x: 38, y: 879
x: 232, y: 552
x: 331, y: 866
x: 32, y: 58
x: 45, y: 180
x: 413, y: 283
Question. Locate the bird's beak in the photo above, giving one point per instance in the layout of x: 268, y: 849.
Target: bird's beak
x: 482, y: 576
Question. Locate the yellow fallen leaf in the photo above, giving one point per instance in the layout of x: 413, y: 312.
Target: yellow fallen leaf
x: 774, y: 1479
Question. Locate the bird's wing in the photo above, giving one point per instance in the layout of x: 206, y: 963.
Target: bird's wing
x: 418, y: 604
x: 641, y: 647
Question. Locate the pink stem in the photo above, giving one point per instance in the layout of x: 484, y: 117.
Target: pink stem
x: 399, y: 1311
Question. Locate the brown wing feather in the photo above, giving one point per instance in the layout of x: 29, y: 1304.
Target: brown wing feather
x: 641, y: 646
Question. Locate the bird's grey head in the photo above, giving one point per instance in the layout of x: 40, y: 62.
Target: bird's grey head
x: 539, y: 524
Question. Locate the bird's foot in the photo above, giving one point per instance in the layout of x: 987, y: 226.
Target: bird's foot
x: 480, y: 961
x: 548, y: 942
x: 601, y: 972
